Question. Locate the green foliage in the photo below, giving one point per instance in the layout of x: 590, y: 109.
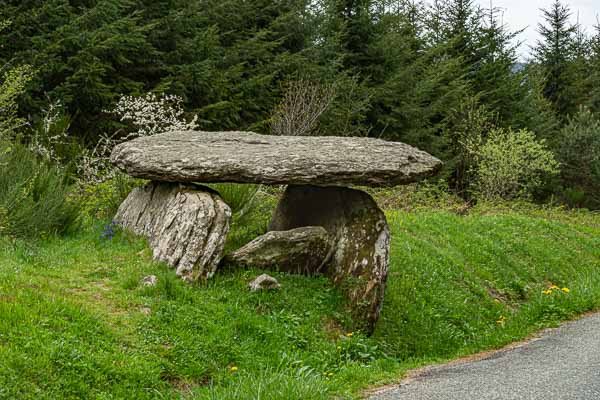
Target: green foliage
x: 578, y: 150
x: 100, y: 201
x: 554, y: 52
x: 34, y: 196
x: 250, y: 218
x: 509, y: 164
x: 454, y: 277
x: 418, y: 72
x: 239, y: 197
x: 593, y: 72
x: 251, y: 206
x: 13, y: 85
x: 90, y: 53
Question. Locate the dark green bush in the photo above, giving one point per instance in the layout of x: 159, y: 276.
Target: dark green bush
x: 34, y: 195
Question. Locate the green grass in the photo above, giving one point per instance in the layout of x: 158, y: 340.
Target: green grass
x: 75, y: 322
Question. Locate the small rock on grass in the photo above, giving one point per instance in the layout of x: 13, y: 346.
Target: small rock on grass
x: 264, y: 282
x: 146, y: 310
x: 150, y: 280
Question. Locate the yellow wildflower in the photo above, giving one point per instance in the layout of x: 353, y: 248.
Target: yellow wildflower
x: 233, y: 369
x: 339, y: 347
x: 547, y: 291
x: 349, y: 334
x: 501, y: 320
x: 565, y: 289
x: 330, y: 374
x: 553, y: 287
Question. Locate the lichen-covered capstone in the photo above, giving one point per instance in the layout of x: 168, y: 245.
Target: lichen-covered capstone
x: 302, y: 250
x: 247, y: 157
x: 186, y: 225
x: 361, y: 237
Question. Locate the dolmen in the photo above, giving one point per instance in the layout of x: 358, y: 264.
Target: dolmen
x: 320, y: 226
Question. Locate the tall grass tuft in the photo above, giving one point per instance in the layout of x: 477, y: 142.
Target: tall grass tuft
x: 237, y: 196
x: 34, y: 195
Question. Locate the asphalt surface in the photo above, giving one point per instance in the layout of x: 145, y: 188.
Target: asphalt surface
x: 562, y: 364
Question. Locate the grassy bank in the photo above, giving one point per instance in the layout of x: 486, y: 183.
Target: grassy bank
x: 75, y: 322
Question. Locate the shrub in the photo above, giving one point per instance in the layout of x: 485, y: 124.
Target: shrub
x: 34, y: 195
x: 509, y: 164
x: 100, y: 201
x: 145, y: 116
x: 302, y: 105
x: 13, y: 84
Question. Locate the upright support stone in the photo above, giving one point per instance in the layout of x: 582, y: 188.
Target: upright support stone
x: 359, y: 263
x: 186, y: 225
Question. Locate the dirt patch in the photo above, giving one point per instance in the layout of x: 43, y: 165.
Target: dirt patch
x: 185, y: 386
x: 333, y: 329
x: 7, y: 298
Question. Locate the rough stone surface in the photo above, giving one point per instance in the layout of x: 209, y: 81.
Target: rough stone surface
x: 150, y: 280
x: 186, y: 225
x: 264, y: 282
x: 359, y: 263
x: 300, y: 251
x: 246, y: 157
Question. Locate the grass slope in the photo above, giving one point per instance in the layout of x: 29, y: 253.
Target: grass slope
x: 76, y: 323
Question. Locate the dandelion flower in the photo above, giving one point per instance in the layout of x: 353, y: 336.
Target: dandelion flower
x: 339, y: 347
x: 547, y: 291
x: 349, y: 334
x: 233, y: 369
x: 553, y: 287
x: 565, y: 289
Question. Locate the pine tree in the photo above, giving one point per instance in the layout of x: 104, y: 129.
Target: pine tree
x: 500, y: 86
x: 85, y: 55
x: 554, y: 52
x: 593, y: 73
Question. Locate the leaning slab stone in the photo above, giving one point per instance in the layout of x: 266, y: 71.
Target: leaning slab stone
x: 246, y: 157
x: 186, y: 225
x: 359, y: 263
x: 302, y: 250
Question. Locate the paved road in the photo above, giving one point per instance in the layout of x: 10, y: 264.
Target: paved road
x: 563, y: 364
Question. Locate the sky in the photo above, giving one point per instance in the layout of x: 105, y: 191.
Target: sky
x: 519, y: 14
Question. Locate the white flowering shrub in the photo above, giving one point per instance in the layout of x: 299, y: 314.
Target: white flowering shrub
x: 147, y: 115
x: 51, y: 133
x: 152, y: 114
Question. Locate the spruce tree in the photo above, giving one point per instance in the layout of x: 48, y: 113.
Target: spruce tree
x: 593, y: 80
x: 554, y: 53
